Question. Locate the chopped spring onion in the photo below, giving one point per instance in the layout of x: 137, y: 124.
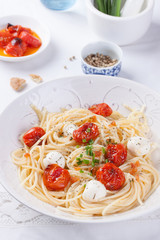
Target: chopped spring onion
x: 91, y: 142
x: 89, y: 150
x: 96, y: 161
x: 93, y: 163
x: 86, y: 161
x: 79, y: 162
x: 103, y: 150
x: 90, y: 173
x: 88, y: 130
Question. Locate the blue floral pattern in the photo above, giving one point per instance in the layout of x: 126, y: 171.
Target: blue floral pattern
x: 114, y: 71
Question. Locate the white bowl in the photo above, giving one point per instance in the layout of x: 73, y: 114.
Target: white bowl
x: 121, y: 30
x: 105, y: 48
x: 28, y: 22
x: 80, y: 91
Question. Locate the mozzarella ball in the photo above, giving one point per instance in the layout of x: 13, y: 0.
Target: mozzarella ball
x: 69, y: 129
x: 139, y: 146
x: 54, y: 157
x: 94, y: 190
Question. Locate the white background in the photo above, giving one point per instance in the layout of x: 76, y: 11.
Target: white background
x: 70, y: 32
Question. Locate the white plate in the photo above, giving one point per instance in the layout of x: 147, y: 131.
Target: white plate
x: 80, y: 91
x: 27, y: 22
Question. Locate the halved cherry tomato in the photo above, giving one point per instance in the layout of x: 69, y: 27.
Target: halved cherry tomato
x: 5, y: 38
x: 85, y: 133
x: 74, y: 179
x: 111, y: 176
x: 16, y: 47
x: 16, y: 29
x: 94, y: 171
x: 101, y: 109
x: 98, y: 153
x: 30, y: 40
x: 56, y: 178
x: 116, y: 154
x: 33, y: 135
x: 134, y: 167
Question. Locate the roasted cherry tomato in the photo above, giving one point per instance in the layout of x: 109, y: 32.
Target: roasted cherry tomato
x: 116, y: 154
x: 85, y: 133
x: 56, y: 178
x: 33, y: 135
x: 101, y: 109
x: 30, y: 40
x: 5, y: 38
x: 94, y: 171
x: 16, y: 29
x: 16, y: 47
x: 111, y: 176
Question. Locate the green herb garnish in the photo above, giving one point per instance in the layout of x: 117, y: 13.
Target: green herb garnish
x: 81, y: 155
x: 86, y: 161
x: 89, y: 150
x: 103, y: 150
x: 84, y: 140
x: 96, y: 160
x: 106, y: 160
x: 79, y: 162
x: 81, y: 171
x: 90, y: 173
x: 77, y: 146
x: 93, y: 163
x: 91, y: 141
x: 88, y: 130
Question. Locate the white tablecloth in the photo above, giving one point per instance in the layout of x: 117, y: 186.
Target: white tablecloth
x: 70, y: 32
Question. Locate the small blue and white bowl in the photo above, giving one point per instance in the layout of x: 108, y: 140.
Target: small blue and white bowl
x: 105, y: 48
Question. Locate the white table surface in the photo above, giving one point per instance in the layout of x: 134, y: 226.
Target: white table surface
x: 70, y: 32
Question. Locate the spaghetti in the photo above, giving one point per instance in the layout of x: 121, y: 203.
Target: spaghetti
x: 141, y: 178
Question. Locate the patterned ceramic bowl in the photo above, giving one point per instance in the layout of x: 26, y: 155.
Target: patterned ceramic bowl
x: 105, y: 48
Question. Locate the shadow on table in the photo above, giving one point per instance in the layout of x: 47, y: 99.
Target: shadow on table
x: 148, y: 45
x: 126, y: 75
x: 152, y: 36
